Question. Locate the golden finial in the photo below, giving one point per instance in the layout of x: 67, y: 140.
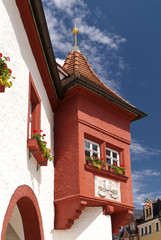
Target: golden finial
x: 75, y: 30
x: 75, y: 44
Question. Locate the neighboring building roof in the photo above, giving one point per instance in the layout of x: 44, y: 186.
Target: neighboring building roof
x: 153, y: 200
x: 116, y: 236
x: 137, y: 213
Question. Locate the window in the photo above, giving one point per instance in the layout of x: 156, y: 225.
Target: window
x: 91, y: 148
x: 132, y: 226
x: 147, y: 212
x: 142, y: 232
x: 150, y: 229
x: 112, y: 156
x: 156, y: 227
x: 146, y: 230
x: 34, y: 109
x: 150, y: 211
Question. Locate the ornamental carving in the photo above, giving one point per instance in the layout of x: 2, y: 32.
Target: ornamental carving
x: 108, y: 189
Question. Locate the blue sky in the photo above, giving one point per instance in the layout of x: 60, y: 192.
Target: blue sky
x: 122, y: 42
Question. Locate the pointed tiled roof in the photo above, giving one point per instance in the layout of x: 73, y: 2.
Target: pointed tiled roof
x: 77, y: 66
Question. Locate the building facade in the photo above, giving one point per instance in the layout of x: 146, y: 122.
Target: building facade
x: 150, y: 228
x: 130, y: 230
x: 79, y: 116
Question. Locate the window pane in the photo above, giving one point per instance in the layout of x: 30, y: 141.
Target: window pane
x: 87, y: 144
x: 149, y: 211
x: 114, y: 155
x: 149, y: 228
x: 157, y: 227
x: 87, y: 153
x: 115, y: 162
x: 107, y: 152
x: 95, y: 155
x: 94, y: 147
x: 108, y: 161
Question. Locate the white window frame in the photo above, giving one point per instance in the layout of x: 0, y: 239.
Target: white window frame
x: 92, y: 152
x: 111, y: 156
x: 146, y: 230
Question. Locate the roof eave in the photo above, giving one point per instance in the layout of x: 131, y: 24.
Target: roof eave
x: 79, y: 81
x: 42, y: 29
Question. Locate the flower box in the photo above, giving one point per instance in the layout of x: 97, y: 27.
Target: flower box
x: 2, y: 88
x: 36, y: 151
x: 105, y: 173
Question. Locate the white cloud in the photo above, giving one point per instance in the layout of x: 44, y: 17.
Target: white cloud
x: 60, y: 61
x: 141, y: 186
x: 96, y: 44
x: 140, y: 151
x: 94, y: 34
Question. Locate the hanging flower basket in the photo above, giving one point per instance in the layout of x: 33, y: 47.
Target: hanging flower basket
x: 5, y: 73
x: 39, y: 149
x: 95, y: 161
x: 36, y: 151
x: 117, y: 169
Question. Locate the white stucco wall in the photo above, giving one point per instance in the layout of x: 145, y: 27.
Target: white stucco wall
x: 15, y: 166
x: 91, y: 225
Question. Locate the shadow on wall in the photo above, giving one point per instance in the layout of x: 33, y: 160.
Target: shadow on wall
x: 91, y: 225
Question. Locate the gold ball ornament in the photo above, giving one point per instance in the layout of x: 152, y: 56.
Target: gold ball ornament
x: 75, y: 31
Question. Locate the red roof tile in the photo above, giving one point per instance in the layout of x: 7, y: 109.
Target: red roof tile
x: 77, y: 66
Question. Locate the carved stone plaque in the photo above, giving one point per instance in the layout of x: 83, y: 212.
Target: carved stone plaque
x: 108, y: 189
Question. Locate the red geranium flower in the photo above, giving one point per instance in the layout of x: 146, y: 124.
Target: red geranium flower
x: 44, y: 134
x: 5, y: 66
x: 8, y: 59
x: 1, y: 55
x: 10, y: 71
x: 115, y: 164
x: 41, y: 130
x: 101, y: 158
x: 35, y: 130
x: 97, y: 157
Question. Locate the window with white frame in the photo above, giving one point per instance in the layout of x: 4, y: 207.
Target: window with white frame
x: 157, y: 227
x: 142, y: 231
x: 146, y: 230
x: 132, y: 226
x: 91, y: 148
x: 112, y: 157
